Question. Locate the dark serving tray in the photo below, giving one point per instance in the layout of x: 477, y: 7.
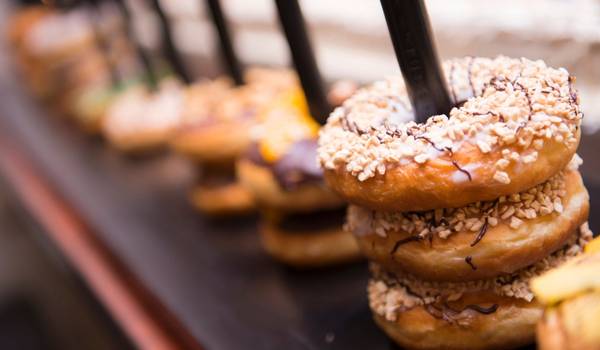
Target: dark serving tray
x: 212, y: 275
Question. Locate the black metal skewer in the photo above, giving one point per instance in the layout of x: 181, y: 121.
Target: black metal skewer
x: 227, y: 50
x: 102, y: 44
x: 168, y: 46
x: 292, y: 22
x: 142, y: 56
x: 408, y: 23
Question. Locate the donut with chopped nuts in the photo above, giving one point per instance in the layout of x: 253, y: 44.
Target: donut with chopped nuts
x: 496, y: 313
x: 480, y: 240
x: 516, y: 124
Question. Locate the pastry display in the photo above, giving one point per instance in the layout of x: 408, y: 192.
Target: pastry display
x: 302, y: 219
x: 474, y: 221
x: 214, y: 131
x: 458, y: 214
x: 70, y: 70
x: 140, y: 120
x: 47, y: 43
x: 570, y: 295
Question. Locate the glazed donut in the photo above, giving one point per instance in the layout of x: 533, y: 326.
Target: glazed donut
x: 217, y: 118
x: 280, y: 167
x: 290, y: 186
x: 495, y: 313
x: 516, y: 124
x: 308, y: 240
x: 139, y: 121
x: 479, y: 241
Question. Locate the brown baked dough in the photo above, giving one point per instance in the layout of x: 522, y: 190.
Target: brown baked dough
x: 510, y: 326
x: 308, y: 249
x: 261, y: 182
x: 501, y: 250
x: 418, y: 187
x: 213, y: 143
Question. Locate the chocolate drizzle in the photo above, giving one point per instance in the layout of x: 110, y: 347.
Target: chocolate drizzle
x: 495, y: 114
x: 481, y: 233
x: 552, y: 87
x: 469, y: 261
x: 450, y: 315
x: 404, y: 241
x: 466, y: 172
x: 572, y: 93
x: 526, y: 92
x: 496, y: 83
x: 351, y: 126
x: 470, y: 76
x: 483, y: 310
x: 441, y: 313
x: 400, y: 112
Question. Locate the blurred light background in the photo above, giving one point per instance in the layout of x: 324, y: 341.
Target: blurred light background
x: 351, y: 39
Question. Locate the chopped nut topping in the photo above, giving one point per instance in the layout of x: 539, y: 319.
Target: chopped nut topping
x: 502, y: 177
x: 390, y: 294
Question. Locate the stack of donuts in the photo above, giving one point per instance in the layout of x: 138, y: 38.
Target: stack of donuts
x: 458, y: 213
x: 214, y: 131
x: 302, y: 219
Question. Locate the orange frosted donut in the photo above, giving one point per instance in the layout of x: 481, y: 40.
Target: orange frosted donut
x: 515, y: 124
x: 217, y: 118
